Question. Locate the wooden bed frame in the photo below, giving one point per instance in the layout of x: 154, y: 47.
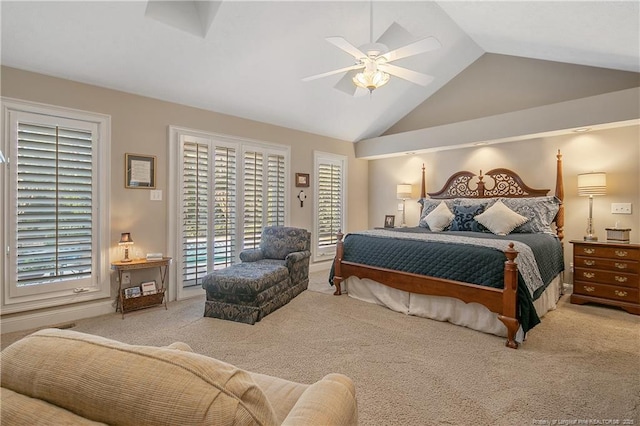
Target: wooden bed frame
x: 501, y: 301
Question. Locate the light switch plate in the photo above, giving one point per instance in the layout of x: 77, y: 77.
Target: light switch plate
x: 155, y: 195
x: 399, y: 207
x: 621, y: 208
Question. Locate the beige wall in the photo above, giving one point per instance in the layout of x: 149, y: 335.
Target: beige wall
x: 614, y: 151
x: 140, y: 125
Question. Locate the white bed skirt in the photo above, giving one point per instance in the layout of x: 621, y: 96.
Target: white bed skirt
x: 455, y: 311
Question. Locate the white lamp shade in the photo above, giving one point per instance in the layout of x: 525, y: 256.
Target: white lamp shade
x: 592, y: 184
x: 404, y: 191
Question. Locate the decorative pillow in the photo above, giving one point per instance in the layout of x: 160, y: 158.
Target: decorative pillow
x: 428, y: 205
x: 464, y: 218
x: 439, y: 218
x: 539, y: 210
x: 500, y: 219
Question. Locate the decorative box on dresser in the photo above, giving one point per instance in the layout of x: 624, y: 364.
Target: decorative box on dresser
x: 607, y: 273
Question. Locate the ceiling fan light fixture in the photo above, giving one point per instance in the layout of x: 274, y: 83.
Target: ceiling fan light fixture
x: 371, y: 80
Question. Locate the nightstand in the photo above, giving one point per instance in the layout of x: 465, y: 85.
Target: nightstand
x: 607, y: 273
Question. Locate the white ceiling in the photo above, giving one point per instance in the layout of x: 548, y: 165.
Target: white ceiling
x: 247, y: 59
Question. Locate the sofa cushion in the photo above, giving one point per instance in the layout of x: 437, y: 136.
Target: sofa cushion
x: 246, y: 278
x: 18, y: 409
x: 112, y: 382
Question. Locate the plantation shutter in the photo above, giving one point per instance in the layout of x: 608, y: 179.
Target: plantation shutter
x: 253, y: 199
x: 275, y: 190
x: 330, y: 194
x: 224, y: 212
x: 54, y: 201
x: 195, y: 212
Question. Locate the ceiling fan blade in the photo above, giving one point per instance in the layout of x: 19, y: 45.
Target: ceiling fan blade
x: 420, y: 46
x: 343, y: 44
x: 395, y: 36
x: 345, y: 84
x: 328, y: 73
x: 406, y: 74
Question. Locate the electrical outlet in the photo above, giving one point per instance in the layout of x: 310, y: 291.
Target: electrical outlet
x: 400, y: 207
x: 126, y: 278
x: 155, y: 195
x: 621, y: 208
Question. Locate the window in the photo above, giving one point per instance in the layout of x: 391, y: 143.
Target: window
x: 330, y: 198
x: 220, y: 176
x: 57, y: 236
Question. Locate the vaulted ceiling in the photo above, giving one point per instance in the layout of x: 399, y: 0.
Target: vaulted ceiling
x: 248, y: 59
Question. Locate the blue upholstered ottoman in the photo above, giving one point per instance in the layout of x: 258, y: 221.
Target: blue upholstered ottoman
x: 247, y: 292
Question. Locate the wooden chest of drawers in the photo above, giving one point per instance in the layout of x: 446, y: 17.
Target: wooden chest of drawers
x: 607, y: 273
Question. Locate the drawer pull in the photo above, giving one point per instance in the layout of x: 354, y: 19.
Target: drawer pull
x: 620, y: 293
x: 621, y: 265
x: 588, y: 274
x: 589, y: 262
x: 621, y: 279
x: 589, y: 289
x: 589, y: 250
x: 622, y: 253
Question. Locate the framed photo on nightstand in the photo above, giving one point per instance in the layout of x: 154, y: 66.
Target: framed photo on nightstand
x: 389, y: 221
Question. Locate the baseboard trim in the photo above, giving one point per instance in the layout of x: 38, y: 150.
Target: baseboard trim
x: 66, y: 314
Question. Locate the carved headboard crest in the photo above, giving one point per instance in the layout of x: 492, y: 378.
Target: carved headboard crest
x: 505, y: 183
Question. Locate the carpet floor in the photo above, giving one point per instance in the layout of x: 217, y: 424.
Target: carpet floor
x: 581, y: 365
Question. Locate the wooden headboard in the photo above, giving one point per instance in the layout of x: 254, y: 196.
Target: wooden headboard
x: 505, y: 183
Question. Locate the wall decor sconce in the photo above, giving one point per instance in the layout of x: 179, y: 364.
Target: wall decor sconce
x: 302, y: 196
x: 126, y: 241
x: 590, y: 184
x: 403, y: 192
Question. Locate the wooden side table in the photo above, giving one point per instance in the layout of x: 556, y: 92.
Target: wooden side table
x: 134, y: 303
x: 607, y: 273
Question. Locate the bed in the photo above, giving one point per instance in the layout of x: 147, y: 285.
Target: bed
x: 465, y: 272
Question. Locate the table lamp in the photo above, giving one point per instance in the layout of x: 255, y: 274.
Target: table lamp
x: 590, y: 184
x: 126, y: 241
x: 403, y: 191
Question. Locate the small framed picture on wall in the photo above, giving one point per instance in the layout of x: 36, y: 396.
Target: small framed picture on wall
x: 302, y: 180
x: 139, y: 171
x: 389, y: 221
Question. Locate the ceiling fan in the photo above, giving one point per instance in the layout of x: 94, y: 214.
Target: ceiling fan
x: 374, y: 59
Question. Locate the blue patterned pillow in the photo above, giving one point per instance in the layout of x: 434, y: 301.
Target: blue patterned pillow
x: 539, y: 210
x: 464, y: 218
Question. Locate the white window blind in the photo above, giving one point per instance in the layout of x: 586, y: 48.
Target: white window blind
x: 253, y: 199
x: 195, y: 212
x: 330, y: 207
x: 224, y: 208
x: 275, y: 190
x: 225, y: 191
x: 54, y: 204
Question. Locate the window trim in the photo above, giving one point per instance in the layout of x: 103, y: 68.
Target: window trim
x: 175, y: 135
x: 328, y: 252
x: 101, y: 286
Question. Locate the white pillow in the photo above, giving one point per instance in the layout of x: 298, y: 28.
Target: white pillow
x: 439, y: 218
x: 500, y: 219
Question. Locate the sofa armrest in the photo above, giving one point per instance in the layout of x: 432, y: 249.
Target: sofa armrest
x: 251, y: 255
x: 296, y: 256
x: 330, y: 401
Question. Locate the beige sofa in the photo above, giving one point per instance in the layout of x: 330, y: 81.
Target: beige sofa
x: 65, y: 377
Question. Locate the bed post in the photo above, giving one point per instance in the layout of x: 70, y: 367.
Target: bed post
x: 560, y: 196
x: 509, y: 297
x: 337, y: 265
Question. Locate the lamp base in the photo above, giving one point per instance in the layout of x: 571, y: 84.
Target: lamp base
x: 125, y: 260
x: 590, y: 238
